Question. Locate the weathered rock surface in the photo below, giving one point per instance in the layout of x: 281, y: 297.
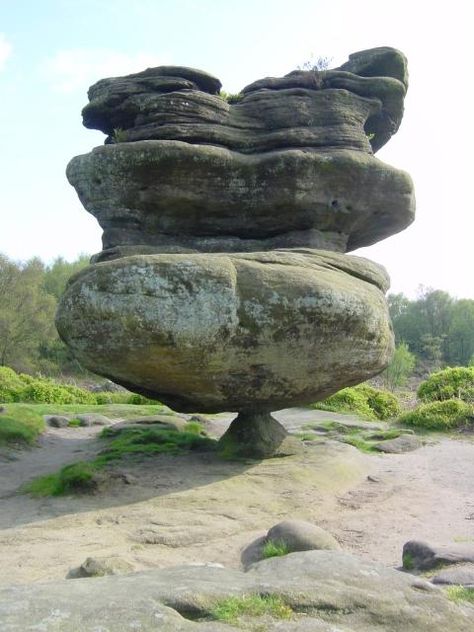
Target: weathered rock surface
x: 460, y: 575
x: 327, y: 590
x: 295, y: 535
x: 101, y: 566
x: 421, y: 556
x: 289, y: 165
x: 170, y: 194
x: 404, y: 443
x: 230, y: 332
x: 56, y: 421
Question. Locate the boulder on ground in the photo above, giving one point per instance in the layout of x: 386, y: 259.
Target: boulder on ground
x: 420, y: 556
x: 57, y: 421
x: 399, y: 445
x: 100, y: 566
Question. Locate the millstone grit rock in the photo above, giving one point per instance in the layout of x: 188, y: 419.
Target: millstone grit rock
x: 327, y: 591
x: 420, y: 556
x: 222, y: 283
x: 230, y: 332
x: 295, y: 535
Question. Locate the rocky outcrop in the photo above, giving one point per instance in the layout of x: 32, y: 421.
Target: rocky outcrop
x: 223, y: 284
x: 322, y: 590
x: 230, y: 332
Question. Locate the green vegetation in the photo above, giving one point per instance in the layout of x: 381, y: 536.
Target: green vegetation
x: 362, y: 400
x: 400, y: 368
x: 275, y: 548
x: 446, y: 415
x: 150, y: 441
x: 460, y: 594
x: 408, y: 561
x: 437, y: 328
x: 451, y: 383
x: 20, y: 426
x: 75, y: 478
x: 231, y: 609
x: 194, y: 427
x: 82, y: 476
x: 231, y: 98
x: 19, y: 387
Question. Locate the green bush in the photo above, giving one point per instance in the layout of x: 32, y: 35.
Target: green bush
x: 140, y: 400
x: 362, y: 400
x: 450, y: 383
x: 445, y: 415
x: 11, y: 385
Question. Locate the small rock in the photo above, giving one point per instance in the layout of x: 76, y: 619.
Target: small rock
x: 420, y: 556
x: 459, y: 576
x: 374, y: 479
x: 100, y: 566
x: 56, y: 421
x: 93, y: 419
x: 297, y: 535
x: 404, y: 443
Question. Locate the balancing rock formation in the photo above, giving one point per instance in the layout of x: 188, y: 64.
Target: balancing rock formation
x: 223, y: 283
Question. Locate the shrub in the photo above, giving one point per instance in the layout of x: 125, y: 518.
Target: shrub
x: 445, y: 415
x: 74, y: 478
x: 450, y: 383
x: 140, y: 400
x: 11, y: 385
x: 383, y: 403
x: 400, y: 367
x: 363, y: 400
x: 45, y: 391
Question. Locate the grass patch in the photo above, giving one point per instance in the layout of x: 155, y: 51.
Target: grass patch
x: 359, y: 442
x: 194, y: 427
x: 408, y: 561
x: 74, y: 423
x: 460, y: 594
x: 20, y: 425
x: 81, y: 477
x: 275, y: 548
x: 231, y: 609
x: 150, y: 441
x: 75, y: 478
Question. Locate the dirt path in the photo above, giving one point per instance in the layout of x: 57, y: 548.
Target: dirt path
x: 199, y: 509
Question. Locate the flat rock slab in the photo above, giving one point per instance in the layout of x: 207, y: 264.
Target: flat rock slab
x: 404, y: 443
x: 330, y: 589
x: 462, y: 575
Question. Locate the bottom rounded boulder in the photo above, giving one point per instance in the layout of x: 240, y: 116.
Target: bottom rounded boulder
x: 224, y: 332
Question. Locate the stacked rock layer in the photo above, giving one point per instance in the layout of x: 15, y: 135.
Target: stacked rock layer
x: 223, y: 283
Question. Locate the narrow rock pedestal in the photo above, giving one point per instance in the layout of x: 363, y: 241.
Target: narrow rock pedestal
x: 257, y: 435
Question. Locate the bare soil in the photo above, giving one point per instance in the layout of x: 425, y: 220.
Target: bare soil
x: 164, y: 511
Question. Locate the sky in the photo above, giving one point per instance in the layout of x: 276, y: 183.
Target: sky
x: 51, y: 51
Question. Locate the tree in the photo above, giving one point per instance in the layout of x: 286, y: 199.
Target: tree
x: 26, y: 313
x: 400, y: 368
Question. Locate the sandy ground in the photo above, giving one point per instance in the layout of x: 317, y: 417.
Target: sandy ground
x: 196, y: 508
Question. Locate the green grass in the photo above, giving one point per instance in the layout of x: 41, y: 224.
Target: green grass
x: 460, y: 594
x: 231, y: 609
x: 20, y: 424
x: 194, y: 427
x: 359, y: 442
x: 408, y: 561
x: 82, y: 476
x: 75, y: 478
x: 74, y: 423
x: 275, y: 548
x: 150, y: 441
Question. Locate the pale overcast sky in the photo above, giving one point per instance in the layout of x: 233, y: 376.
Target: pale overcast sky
x: 52, y: 50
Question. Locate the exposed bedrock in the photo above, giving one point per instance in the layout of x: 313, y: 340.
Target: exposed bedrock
x: 172, y: 194
x: 244, y: 332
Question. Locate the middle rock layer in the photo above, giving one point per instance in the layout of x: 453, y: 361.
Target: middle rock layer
x: 215, y: 332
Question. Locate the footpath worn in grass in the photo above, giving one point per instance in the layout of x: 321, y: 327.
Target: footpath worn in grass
x: 83, y: 476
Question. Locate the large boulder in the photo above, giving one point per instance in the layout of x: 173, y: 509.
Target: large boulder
x: 258, y: 331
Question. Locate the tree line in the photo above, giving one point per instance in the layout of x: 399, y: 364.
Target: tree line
x: 29, y: 294
x: 436, y: 327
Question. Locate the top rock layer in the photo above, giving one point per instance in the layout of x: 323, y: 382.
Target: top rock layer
x: 287, y: 163
x: 345, y: 107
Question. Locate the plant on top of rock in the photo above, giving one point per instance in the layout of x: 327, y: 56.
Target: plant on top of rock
x: 455, y: 382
